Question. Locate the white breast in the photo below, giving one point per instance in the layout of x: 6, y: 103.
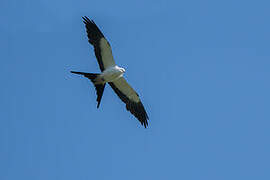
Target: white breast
x: 112, y: 73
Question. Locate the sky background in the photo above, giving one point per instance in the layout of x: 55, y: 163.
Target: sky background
x: 201, y: 67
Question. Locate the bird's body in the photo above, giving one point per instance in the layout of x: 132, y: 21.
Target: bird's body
x: 111, y: 74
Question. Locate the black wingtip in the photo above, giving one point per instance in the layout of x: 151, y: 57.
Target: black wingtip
x: 86, y: 20
x: 145, y: 123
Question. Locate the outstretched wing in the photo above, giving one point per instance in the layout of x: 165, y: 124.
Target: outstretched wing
x: 102, y: 47
x: 133, y: 103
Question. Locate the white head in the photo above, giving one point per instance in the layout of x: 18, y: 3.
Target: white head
x: 122, y: 70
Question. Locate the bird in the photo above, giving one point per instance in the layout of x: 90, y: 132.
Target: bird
x: 111, y: 74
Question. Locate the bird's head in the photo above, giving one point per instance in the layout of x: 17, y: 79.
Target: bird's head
x: 122, y: 70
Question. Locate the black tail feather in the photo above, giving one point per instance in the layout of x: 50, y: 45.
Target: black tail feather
x: 99, y: 87
x: 99, y: 90
x: 91, y: 76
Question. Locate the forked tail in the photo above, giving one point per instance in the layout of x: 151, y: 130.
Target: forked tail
x: 93, y: 78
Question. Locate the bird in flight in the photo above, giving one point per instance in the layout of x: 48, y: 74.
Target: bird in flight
x: 111, y: 73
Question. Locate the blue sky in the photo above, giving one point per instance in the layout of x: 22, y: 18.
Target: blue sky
x: 202, y: 70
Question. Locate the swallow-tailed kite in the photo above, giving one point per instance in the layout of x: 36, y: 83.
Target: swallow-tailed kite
x: 111, y: 73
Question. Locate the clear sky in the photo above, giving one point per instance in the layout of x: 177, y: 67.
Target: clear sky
x: 201, y: 67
